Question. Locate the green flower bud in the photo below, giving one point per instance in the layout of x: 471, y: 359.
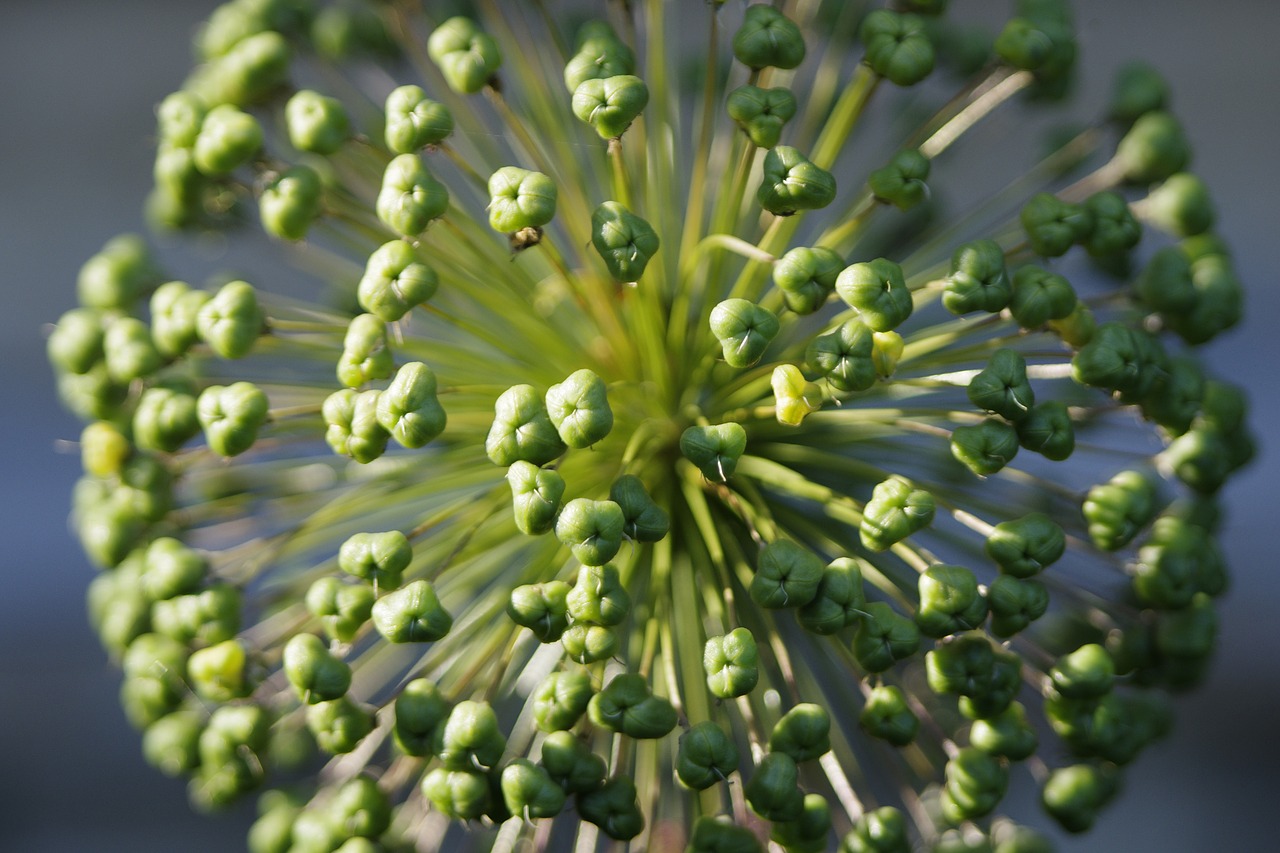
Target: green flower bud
x: 315, y: 123
x: 410, y: 198
x: 313, y: 831
x: 845, y: 357
x: 744, y: 330
x: 792, y: 183
x: 1177, y: 396
x: 711, y: 835
x: 414, y: 121
x: 118, y: 612
x: 887, y: 716
x: 1165, y: 282
x: 796, y: 397
x: 542, y: 608
x: 591, y: 529
x: 1114, y: 227
x: 165, y: 420
x: 579, y: 409
x: 420, y: 709
x: 230, y: 748
x: 732, y: 663
x: 644, y: 520
x: 1077, y: 328
x: 571, y: 763
x: 767, y: 38
x: 613, y: 808
x: 1200, y: 458
x: 962, y: 664
x: 290, y: 203
x: 1120, y: 359
x: 806, y: 277
x: 882, y: 830
x: 985, y: 448
x: 536, y: 494
x: 171, y: 569
x: 352, y: 427
x: 761, y: 113
x: 714, y: 450
x: 598, y: 597
x: 104, y: 449
x: 128, y: 350
x: 411, y: 614
x: 803, y: 733
x: 1024, y: 546
x: 626, y: 705
x: 228, y: 139
x: 1048, y: 430
x: 1002, y: 387
x: 522, y: 429
x: 344, y: 32
x: 1086, y: 673
x: 1189, y: 633
x: 155, y: 667
x: 787, y: 575
x: 520, y: 199
x: 316, y: 675
x: 1074, y: 795
x: 231, y: 416
x: 601, y: 54
x: 1040, y: 296
x: 408, y: 408
x: 180, y: 195
x: 341, y: 608
x: 1139, y: 89
x: 171, y: 743
x: 975, y: 784
x: 807, y: 832
x: 895, y: 511
x: 611, y: 104
x: 838, y: 601
x: 468, y: 58
x: 949, y: 601
x: 217, y: 673
x: 561, y: 700
x: 1178, y: 561
x: 249, y: 71
x: 470, y: 738
x: 175, y: 309
x: 901, y: 182
x: 117, y: 275
x: 528, y: 790
x: 1006, y: 735
x: 773, y: 791
x: 625, y: 241
x: 1053, y: 226
x: 1116, y: 510
x: 1153, y: 149
x: 178, y: 119
x: 1027, y: 42
x: 360, y: 809
x: 458, y: 794
x: 75, y: 344
x: 1181, y: 206
x: 366, y: 355
x: 586, y: 643
x: 1219, y: 303
x: 897, y: 46
x: 877, y: 291
x: 978, y: 280
x: 231, y: 321
x: 884, y: 637
x: 706, y: 756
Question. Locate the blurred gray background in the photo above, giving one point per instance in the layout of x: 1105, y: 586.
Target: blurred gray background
x: 78, y: 81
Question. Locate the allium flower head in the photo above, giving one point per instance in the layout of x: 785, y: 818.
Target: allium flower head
x: 626, y: 435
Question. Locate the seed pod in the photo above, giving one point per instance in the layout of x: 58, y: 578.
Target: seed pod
x: 1120, y: 359
x: 341, y: 608
x: 316, y: 123
x: 1138, y: 90
x: 420, y: 709
x: 731, y: 662
x: 975, y: 784
x: 253, y: 68
x: 174, y: 311
x: 231, y: 748
x: 520, y: 199
x: 352, y: 427
x: 1177, y: 396
x: 468, y: 58
x: 579, y: 409
x: 231, y: 416
x: 768, y: 39
x: 1053, y: 226
x: 895, y: 511
x: 1115, y: 229
x: 1073, y: 795
x: 887, y: 716
x: 316, y: 675
x: 613, y: 807
x: 1181, y: 206
x: 1118, y: 509
x: 1027, y: 42
x: 409, y: 410
x: 1153, y: 149
x: 366, y: 354
x: 884, y: 637
x: 379, y: 558
x: 949, y: 601
x: 1040, y: 296
x: 228, y: 139
x: 217, y: 673
x: 591, y: 529
x: 1002, y: 387
x: 290, y: 203
x: 1006, y: 735
x: 845, y: 357
x: 204, y: 618
x: 414, y: 121
x: 410, y: 198
x: 598, y: 597
x: 744, y: 330
x: 897, y: 46
x: 360, y: 809
x: 807, y: 832
x: 411, y: 615
x: 714, y: 449
x: 171, y: 743
x: 529, y: 791
x: 877, y: 291
x: 985, y: 448
x: 170, y: 569
x: 75, y: 344
x: 1086, y: 673
x: 471, y: 738
x: 542, y: 608
x: 803, y: 733
x: 458, y: 794
x: 838, y: 601
x: 806, y: 277
x: 1015, y: 603
x: 117, y: 276
x: 104, y: 449
x: 1077, y: 328
x: 571, y: 763
x: 706, y: 756
x: 644, y: 520
x: 231, y: 321
x: 600, y: 54
x: 626, y: 705
x: 536, y: 494
x: 1219, y: 302
x: 128, y: 351
x: 761, y: 113
x: 1165, y: 282
x: 1048, y: 430
x: 611, y: 104
x: 792, y: 183
x: 625, y: 241
x: 773, y: 791
x: 561, y: 700
x: 711, y: 835
x: 992, y: 696
x: 787, y: 575
x: 522, y: 429
x: 901, y: 182
x: 796, y: 398
x: 165, y: 420
x: 585, y: 643
x: 978, y: 280
x: 882, y: 830
x: 1024, y: 546
x: 178, y: 119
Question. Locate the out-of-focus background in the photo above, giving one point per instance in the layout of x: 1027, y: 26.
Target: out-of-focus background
x: 78, y: 82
